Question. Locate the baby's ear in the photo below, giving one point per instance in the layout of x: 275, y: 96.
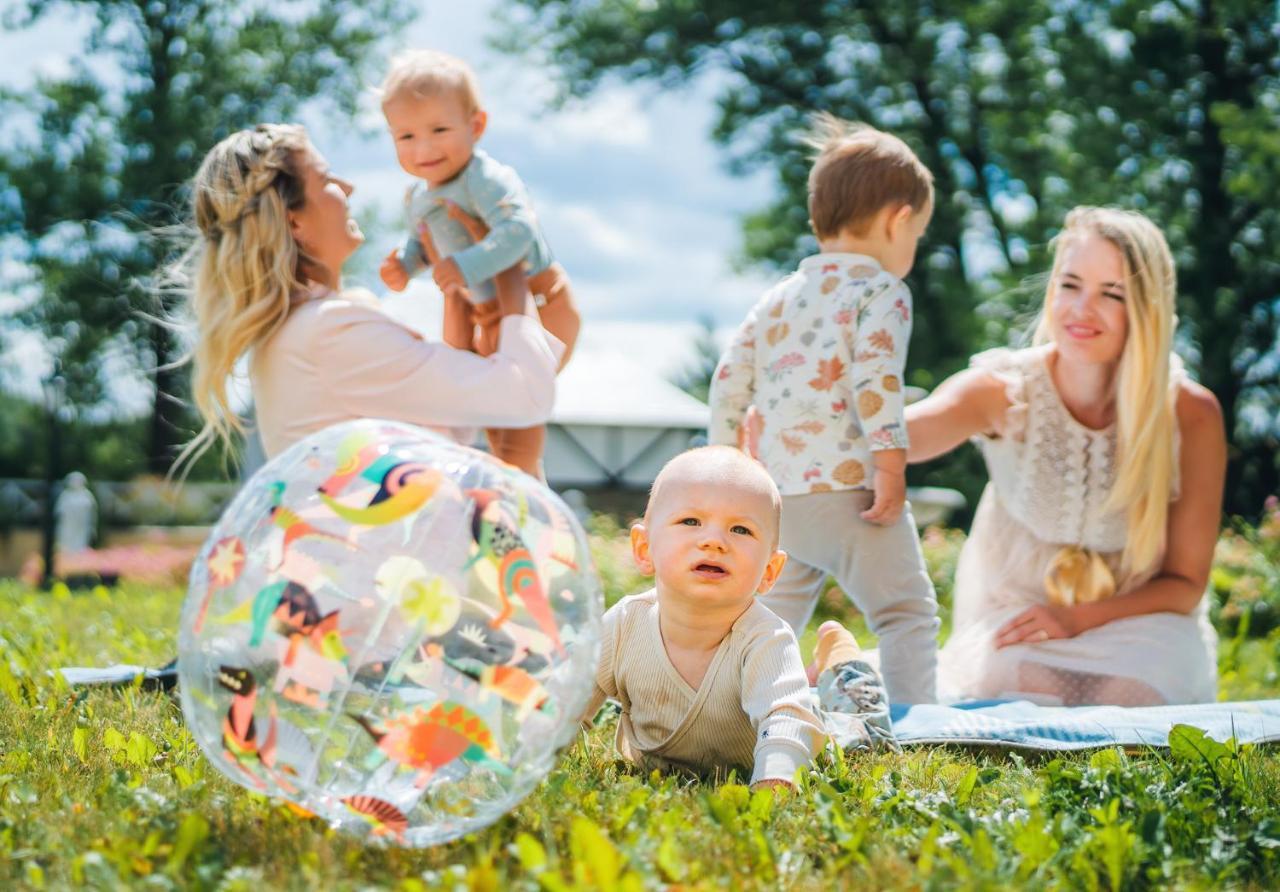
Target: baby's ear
x: 898, y: 219
x: 771, y: 571
x: 640, y: 548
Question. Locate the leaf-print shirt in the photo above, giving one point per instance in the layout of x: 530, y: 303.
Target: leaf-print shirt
x: 821, y: 356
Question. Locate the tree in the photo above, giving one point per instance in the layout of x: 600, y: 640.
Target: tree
x: 102, y: 169
x: 1022, y: 109
x: 1189, y: 119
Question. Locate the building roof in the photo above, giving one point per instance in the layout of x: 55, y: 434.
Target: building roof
x: 602, y: 387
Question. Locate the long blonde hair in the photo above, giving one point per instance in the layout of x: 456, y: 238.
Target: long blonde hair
x: 1145, y: 399
x: 244, y: 265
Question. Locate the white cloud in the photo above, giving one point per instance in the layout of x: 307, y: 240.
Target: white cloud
x: 598, y: 233
x: 612, y: 118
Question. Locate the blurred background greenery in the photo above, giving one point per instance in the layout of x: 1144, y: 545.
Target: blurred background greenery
x: 1021, y: 108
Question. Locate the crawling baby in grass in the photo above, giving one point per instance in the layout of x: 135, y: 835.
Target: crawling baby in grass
x: 708, y: 678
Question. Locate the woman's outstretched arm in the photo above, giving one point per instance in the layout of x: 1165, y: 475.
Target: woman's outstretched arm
x: 968, y: 403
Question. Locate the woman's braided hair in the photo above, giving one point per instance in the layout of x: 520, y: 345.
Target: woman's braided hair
x: 245, y: 267
x: 233, y: 180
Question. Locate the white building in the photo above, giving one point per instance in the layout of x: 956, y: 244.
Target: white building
x: 616, y: 423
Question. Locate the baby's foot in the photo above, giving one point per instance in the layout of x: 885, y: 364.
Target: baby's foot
x: 836, y: 645
x: 851, y: 690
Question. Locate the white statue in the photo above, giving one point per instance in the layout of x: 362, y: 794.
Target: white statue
x: 77, y: 514
x: 576, y: 499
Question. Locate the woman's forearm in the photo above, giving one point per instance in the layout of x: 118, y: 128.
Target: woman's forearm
x: 514, y: 298
x: 1166, y: 593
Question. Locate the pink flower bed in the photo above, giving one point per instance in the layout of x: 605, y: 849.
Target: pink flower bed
x: 152, y: 564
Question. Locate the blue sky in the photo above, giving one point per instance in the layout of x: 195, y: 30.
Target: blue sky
x: 629, y: 188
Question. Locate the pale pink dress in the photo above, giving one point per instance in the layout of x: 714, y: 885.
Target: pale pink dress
x: 1049, y: 480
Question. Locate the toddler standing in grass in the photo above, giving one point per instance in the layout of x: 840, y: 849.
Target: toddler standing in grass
x: 821, y: 359
x: 708, y: 678
x: 433, y: 111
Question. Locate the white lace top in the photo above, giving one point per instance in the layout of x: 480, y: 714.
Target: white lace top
x: 1052, y: 473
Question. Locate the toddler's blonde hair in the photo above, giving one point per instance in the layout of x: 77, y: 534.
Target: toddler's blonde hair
x: 1145, y: 400
x: 423, y: 73
x: 244, y: 265
x: 858, y: 171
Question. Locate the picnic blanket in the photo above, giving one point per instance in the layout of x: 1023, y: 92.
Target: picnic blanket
x: 1019, y: 724
x: 162, y: 678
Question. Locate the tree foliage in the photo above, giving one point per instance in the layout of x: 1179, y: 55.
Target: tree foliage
x: 97, y: 163
x: 1022, y: 109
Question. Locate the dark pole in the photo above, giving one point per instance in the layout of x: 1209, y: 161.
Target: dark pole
x: 52, y: 405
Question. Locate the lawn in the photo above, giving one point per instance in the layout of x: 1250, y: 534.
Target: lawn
x: 107, y: 789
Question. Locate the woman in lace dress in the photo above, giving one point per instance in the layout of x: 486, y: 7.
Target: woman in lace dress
x: 1083, y: 577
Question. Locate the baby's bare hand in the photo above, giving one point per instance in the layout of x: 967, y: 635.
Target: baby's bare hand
x: 393, y: 274
x: 448, y: 276
x: 890, y: 497
x: 750, y: 432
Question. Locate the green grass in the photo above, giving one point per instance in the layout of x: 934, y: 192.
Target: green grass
x: 107, y: 790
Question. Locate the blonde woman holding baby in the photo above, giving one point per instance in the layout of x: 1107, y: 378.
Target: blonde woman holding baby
x: 1084, y: 574
x: 265, y: 283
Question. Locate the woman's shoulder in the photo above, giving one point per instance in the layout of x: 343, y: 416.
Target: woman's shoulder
x: 349, y: 297
x: 339, y: 306
x: 996, y: 383
x: 1006, y: 360
x: 1001, y: 373
x: 1198, y: 411
x: 1200, y: 440
x: 320, y: 318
